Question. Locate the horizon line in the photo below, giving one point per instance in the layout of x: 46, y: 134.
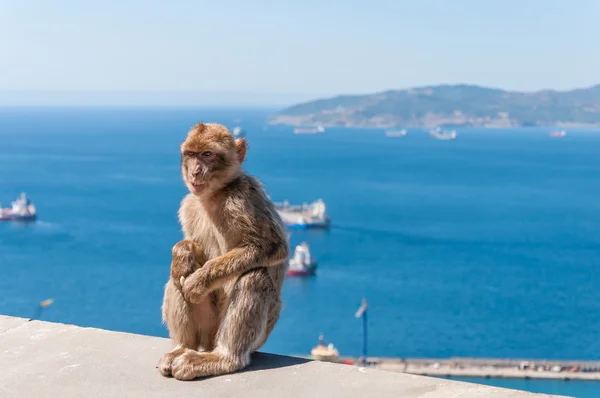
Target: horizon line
x: 204, y: 98
x: 271, y: 93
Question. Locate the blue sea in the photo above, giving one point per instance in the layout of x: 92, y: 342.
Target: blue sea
x: 486, y: 246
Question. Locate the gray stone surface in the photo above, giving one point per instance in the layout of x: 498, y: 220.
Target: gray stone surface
x: 41, y: 359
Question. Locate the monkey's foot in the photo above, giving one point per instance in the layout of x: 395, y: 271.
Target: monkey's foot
x: 166, y: 361
x: 193, y: 364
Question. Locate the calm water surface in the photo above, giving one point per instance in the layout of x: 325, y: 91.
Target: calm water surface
x: 485, y: 246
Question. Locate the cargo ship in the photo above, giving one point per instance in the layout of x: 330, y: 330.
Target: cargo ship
x: 302, y: 264
x: 22, y: 210
x: 313, y: 215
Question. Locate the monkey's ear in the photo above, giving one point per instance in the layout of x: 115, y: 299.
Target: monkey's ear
x: 241, y: 147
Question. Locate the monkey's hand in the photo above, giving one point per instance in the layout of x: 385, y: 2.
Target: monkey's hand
x: 213, y: 275
x: 187, y: 257
x: 196, y: 286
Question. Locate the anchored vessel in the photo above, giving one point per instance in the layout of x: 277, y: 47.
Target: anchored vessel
x: 302, y: 264
x: 558, y: 134
x: 395, y: 133
x: 22, y: 210
x: 444, y: 135
x: 313, y: 215
x: 238, y: 132
x: 313, y: 130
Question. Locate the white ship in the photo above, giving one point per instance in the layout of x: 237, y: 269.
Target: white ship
x: 302, y: 264
x: 444, y: 135
x: 558, y: 134
x: 395, y: 133
x: 310, y: 130
x: 313, y: 215
x: 22, y: 210
x: 238, y: 132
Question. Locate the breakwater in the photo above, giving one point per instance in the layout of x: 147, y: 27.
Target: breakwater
x: 483, y: 367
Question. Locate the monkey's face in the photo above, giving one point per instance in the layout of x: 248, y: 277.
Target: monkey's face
x: 210, y: 158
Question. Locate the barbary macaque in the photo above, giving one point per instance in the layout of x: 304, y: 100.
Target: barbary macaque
x: 222, y: 299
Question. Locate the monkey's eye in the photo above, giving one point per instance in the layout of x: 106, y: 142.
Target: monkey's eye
x: 190, y: 153
x: 207, y: 154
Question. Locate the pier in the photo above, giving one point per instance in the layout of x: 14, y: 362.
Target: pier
x: 461, y: 367
x: 484, y: 367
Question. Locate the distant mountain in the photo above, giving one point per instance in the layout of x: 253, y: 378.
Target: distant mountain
x: 449, y: 105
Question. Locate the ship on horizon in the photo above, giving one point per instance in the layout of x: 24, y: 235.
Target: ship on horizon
x: 21, y: 210
x: 309, y: 130
x: 443, y: 135
x: 395, y: 133
x: 558, y: 134
x: 238, y: 132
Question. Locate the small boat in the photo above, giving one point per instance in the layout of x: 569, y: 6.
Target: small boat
x: 302, y: 264
x: 395, y: 133
x: 444, y: 135
x: 311, y: 130
x: 22, y: 210
x: 324, y: 352
x: 558, y: 134
x: 313, y: 215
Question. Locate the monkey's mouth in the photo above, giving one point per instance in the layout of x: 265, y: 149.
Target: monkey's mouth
x: 198, y: 187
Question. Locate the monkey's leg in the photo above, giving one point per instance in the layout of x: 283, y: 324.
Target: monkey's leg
x: 179, y: 317
x: 249, y: 318
x: 190, y: 325
x: 176, y: 312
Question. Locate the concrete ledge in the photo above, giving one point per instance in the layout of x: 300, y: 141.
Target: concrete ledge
x: 41, y: 359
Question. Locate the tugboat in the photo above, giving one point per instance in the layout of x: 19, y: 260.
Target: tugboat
x: 313, y: 215
x: 22, y: 210
x: 302, y: 264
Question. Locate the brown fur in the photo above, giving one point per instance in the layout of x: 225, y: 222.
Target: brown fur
x: 223, y: 297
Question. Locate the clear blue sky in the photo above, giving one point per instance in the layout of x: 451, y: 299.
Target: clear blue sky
x: 296, y: 47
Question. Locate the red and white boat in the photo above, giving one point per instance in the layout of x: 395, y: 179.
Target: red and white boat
x: 558, y: 134
x: 302, y: 264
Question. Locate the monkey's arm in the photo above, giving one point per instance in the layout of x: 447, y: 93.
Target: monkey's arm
x: 256, y: 235
x: 219, y: 270
x: 242, y: 259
